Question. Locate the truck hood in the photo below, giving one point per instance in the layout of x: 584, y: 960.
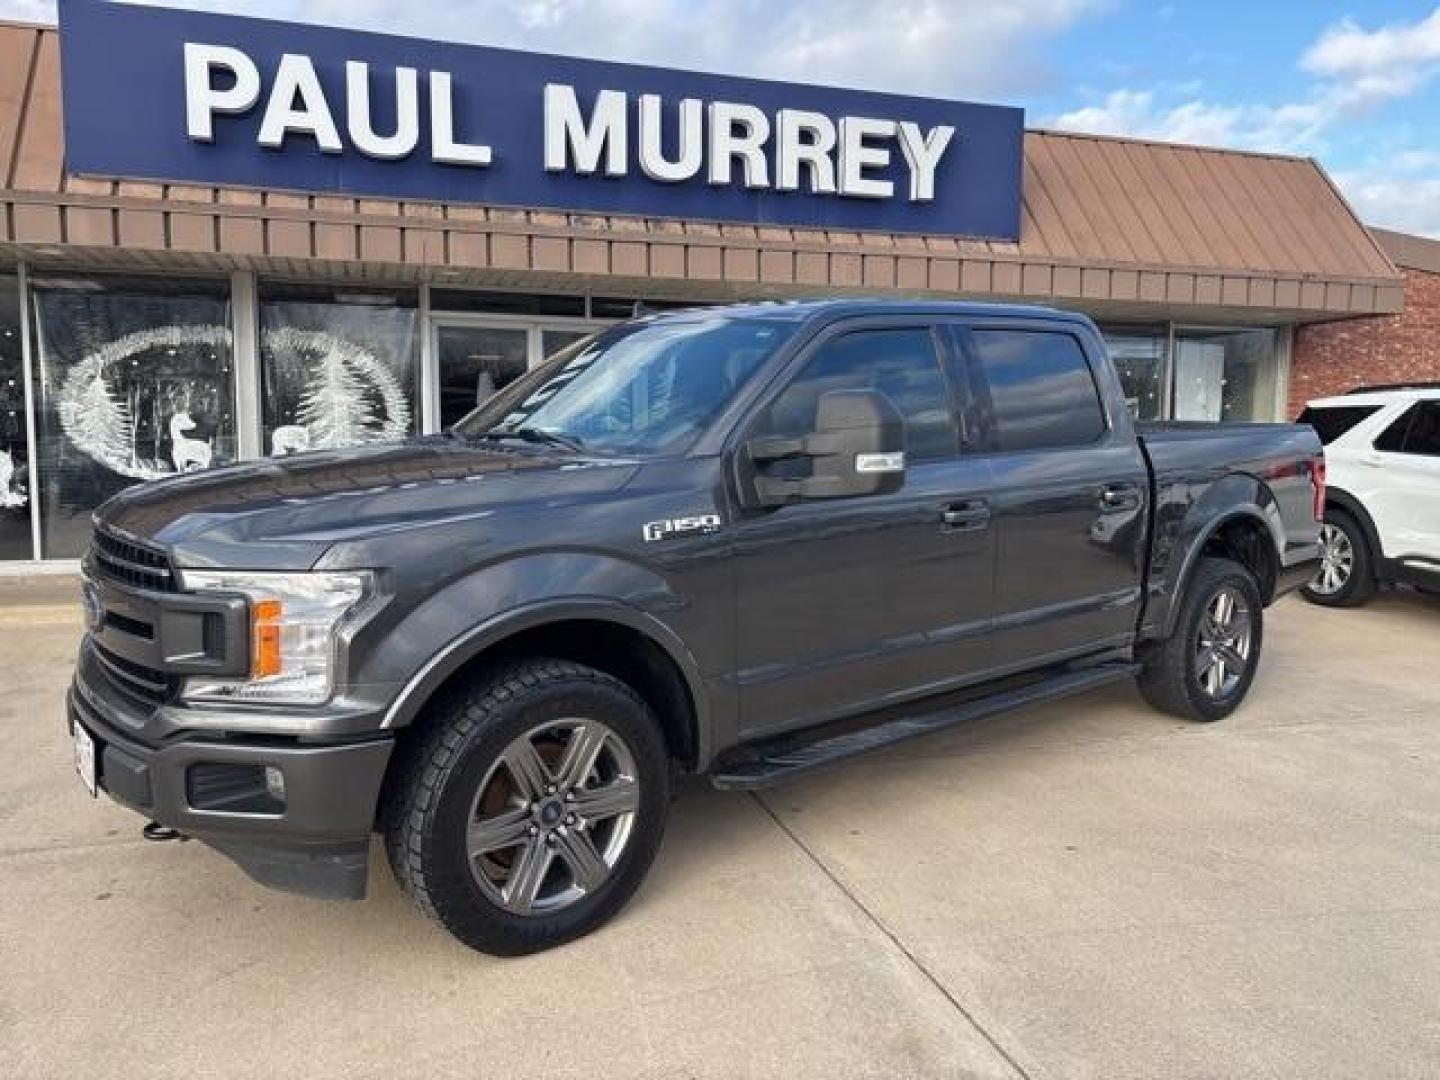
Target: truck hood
x: 285, y: 513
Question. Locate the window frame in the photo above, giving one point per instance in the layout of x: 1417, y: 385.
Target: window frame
x: 979, y: 389
x: 794, y: 366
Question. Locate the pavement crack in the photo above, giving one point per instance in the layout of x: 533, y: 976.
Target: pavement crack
x: 894, y: 938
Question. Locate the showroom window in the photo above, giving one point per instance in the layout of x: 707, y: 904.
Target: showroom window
x: 14, y: 453
x: 1139, y: 358
x: 338, y: 367
x: 1226, y: 374
x: 134, y: 381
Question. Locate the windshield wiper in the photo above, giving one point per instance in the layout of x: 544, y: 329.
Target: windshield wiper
x: 536, y: 435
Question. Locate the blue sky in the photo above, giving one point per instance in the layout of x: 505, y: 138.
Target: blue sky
x: 1355, y: 84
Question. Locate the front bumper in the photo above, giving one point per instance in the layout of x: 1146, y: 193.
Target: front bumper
x: 314, y: 841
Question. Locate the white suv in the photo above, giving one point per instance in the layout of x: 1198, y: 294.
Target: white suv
x: 1382, y: 506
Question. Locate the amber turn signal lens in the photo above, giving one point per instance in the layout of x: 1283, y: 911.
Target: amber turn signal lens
x: 265, y: 638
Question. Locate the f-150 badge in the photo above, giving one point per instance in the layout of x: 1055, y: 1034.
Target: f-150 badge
x: 683, y: 526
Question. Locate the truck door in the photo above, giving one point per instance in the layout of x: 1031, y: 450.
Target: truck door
x: 847, y: 604
x: 1070, y: 494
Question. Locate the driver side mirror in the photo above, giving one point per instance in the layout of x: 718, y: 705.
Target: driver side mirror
x: 858, y: 448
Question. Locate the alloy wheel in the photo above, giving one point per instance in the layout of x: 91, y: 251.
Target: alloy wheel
x: 1337, y: 561
x: 553, y: 816
x: 1222, y: 653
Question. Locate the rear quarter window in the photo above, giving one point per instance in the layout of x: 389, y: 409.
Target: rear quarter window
x: 1332, y: 421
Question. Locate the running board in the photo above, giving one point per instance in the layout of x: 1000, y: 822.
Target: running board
x: 782, y: 758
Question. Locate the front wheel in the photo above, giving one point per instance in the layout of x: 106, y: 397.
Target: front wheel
x: 1206, y: 667
x: 529, y: 809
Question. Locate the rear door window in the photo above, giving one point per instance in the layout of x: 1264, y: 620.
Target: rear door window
x: 1392, y: 439
x: 1423, y: 438
x: 1332, y: 421
x: 1040, y: 389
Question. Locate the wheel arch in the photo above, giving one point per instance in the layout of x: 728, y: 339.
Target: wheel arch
x: 1245, y: 535
x: 1343, y: 500
x: 611, y: 637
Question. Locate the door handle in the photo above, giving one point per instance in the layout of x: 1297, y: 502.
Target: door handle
x: 1119, y: 497
x: 968, y: 515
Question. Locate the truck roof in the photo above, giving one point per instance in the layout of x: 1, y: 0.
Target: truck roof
x: 812, y: 310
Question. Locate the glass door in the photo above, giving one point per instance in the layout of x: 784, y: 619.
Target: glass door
x: 474, y: 361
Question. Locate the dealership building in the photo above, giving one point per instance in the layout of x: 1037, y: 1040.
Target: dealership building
x: 190, y: 275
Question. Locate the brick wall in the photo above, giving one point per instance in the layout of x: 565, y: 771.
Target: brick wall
x: 1331, y: 358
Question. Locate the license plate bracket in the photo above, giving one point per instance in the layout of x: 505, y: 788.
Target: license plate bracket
x: 84, y: 751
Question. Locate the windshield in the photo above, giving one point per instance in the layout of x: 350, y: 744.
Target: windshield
x: 640, y: 389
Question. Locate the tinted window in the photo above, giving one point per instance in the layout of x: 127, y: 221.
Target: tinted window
x: 1424, y: 435
x: 1041, y: 390
x: 1333, y: 421
x: 901, y: 364
x: 1392, y: 438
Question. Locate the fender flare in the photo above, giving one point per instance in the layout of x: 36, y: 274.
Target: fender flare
x: 494, y: 630
x: 1193, y: 552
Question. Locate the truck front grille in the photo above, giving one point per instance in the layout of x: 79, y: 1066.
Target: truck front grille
x: 143, y: 684
x: 130, y: 563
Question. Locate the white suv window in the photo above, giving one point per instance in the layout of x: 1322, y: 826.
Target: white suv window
x: 1416, y: 431
x: 1332, y: 421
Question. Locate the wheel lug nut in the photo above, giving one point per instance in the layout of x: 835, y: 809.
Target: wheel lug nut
x: 550, y: 789
x: 534, y: 829
x: 569, y: 796
x: 570, y: 819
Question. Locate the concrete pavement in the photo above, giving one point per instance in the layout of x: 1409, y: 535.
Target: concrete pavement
x: 1083, y: 890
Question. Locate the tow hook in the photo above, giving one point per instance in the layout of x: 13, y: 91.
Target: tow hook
x: 160, y: 833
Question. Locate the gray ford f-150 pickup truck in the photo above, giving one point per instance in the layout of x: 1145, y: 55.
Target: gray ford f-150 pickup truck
x: 745, y: 542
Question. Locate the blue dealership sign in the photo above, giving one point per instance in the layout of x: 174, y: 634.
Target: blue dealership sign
x: 160, y: 94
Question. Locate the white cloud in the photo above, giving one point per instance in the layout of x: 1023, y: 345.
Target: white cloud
x: 1356, y: 71
x: 1405, y: 203
x: 1347, y: 49
x: 39, y: 11
x: 959, y: 48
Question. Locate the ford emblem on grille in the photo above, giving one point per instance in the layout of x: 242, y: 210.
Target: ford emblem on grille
x: 94, y: 609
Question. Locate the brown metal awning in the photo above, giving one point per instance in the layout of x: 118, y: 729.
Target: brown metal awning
x: 1120, y: 227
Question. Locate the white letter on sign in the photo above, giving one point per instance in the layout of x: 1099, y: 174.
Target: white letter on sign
x: 566, y: 132
x: 690, y: 149
x: 856, y: 157
x: 296, y: 78
x: 805, y: 138
x: 443, y: 145
x: 738, y: 131
x: 407, y: 112
x: 922, y: 154
x: 202, y: 100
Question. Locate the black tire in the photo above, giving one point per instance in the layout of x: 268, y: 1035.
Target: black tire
x: 430, y: 801
x: 1171, y: 679
x: 1359, y: 585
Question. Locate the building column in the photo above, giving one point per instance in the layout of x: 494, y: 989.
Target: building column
x: 245, y: 320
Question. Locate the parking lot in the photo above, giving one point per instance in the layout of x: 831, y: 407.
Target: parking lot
x: 1082, y: 890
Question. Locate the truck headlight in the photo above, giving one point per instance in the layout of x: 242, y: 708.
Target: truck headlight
x: 295, y: 621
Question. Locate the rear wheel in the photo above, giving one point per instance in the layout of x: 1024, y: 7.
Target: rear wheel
x: 1346, y: 577
x: 530, y: 809
x: 1206, y: 667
